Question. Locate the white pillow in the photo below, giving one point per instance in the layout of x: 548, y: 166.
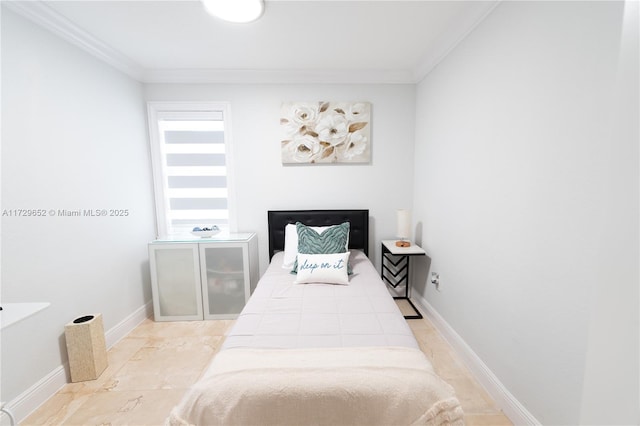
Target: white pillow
x: 323, y: 268
x: 291, y: 243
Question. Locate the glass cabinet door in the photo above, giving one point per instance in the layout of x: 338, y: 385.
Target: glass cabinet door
x: 174, y: 275
x: 225, y: 286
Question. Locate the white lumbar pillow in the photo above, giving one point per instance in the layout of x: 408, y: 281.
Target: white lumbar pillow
x: 323, y: 268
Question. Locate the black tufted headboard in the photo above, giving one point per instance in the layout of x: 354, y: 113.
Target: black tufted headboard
x: 358, y: 225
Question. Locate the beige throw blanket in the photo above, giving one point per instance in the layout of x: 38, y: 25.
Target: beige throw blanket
x: 333, y: 386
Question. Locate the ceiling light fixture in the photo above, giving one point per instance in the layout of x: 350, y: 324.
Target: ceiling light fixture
x: 240, y: 11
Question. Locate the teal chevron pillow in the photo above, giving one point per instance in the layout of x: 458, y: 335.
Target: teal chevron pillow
x: 332, y: 240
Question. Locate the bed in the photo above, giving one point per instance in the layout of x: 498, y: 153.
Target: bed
x: 325, y: 346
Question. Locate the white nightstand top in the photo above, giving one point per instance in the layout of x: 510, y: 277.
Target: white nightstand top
x: 413, y: 249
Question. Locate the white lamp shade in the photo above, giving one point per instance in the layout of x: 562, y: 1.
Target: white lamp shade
x: 403, y: 223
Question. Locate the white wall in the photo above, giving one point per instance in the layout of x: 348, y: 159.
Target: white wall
x: 73, y: 137
x: 526, y: 200
x: 611, y: 375
x: 263, y: 183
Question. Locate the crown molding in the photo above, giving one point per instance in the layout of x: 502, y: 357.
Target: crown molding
x: 278, y: 76
x: 44, y: 16
x: 449, y: 40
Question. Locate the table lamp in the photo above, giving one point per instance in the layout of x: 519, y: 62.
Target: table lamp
x: 403, y: 227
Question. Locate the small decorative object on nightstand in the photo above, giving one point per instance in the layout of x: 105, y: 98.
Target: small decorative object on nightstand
x: 395, y: 268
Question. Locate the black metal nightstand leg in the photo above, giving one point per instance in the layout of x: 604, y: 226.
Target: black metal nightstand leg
x: 418, y: 315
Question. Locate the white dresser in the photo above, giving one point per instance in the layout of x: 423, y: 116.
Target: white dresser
x: 202, y: 278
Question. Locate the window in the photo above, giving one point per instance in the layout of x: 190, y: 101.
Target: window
x: 191, y: 166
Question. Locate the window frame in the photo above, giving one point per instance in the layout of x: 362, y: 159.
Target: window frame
x: 157, y: 110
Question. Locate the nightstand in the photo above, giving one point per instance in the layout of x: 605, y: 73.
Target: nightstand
x: 395, y: 268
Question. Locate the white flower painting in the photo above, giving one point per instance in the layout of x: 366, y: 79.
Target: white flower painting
x: 326, y: 132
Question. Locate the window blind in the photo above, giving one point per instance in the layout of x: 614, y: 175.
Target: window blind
x: 194, y: 181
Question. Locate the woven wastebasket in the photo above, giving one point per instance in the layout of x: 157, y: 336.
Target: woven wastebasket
x: 86, y: 347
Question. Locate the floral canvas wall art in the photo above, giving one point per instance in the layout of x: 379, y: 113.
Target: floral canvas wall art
x: 326, y: 132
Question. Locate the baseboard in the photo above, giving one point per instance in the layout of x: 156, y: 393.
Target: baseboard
x: 29, y: 401
x: 504, y: 399
x: 114, y: 334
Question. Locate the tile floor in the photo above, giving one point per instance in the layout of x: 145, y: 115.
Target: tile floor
x: 150, y: 369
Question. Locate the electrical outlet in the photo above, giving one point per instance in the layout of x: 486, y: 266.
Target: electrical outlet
x: 435, y: 279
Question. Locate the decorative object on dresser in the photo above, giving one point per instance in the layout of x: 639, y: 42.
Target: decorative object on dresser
x: 326, y: 132
x: 206, y: 231
x: 202, y: 278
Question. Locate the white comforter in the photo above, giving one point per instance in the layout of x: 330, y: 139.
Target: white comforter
x: 281, y: 314
x: 331, y: 386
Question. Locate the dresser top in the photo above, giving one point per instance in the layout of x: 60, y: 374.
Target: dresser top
x: 221, y: 237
